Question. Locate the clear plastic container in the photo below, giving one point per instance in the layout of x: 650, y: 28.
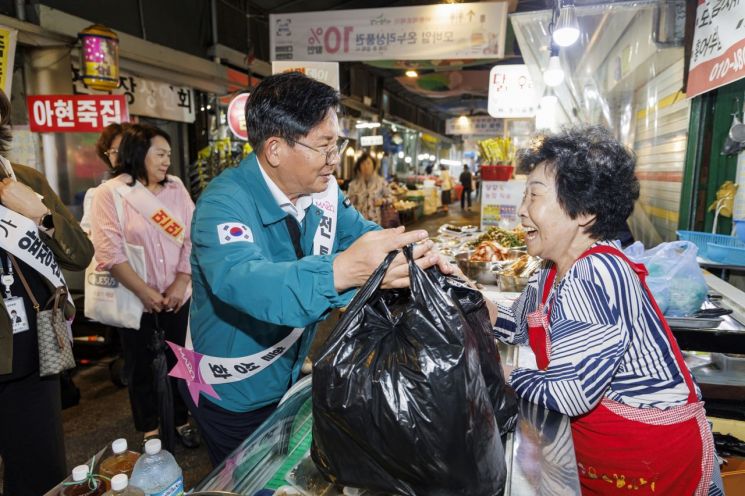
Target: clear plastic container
x: 157, y: 473
x: 121, y: 461
x: 120, y: 487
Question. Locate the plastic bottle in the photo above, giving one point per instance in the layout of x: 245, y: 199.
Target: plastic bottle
x: 157, y: 473
x: 120, y: 487
x: 82, y: 484
x: 121, y: 462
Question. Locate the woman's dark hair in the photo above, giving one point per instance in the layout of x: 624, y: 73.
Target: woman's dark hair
x: 287, y: 105
x: 103, y: 145
x: 362, y: 158
x: 5, y: 135
x: 136, y: 141
x: 594, y: 175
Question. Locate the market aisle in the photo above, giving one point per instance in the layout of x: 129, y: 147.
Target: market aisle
x: 104, y: 413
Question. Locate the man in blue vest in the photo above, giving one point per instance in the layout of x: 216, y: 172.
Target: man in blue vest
x: 276, y: 247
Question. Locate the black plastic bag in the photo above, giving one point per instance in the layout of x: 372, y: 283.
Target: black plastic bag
x: 406, y: 388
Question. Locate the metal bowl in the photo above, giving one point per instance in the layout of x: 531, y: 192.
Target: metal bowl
x: 480, y: 272
x: 512, y: 284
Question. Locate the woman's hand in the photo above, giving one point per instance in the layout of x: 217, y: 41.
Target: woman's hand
x: 173, y: 298
x: 153, y: 301
x: 21, y: 199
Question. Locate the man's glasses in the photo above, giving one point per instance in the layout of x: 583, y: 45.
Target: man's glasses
x: 111, y: 152
x: 331, y: 153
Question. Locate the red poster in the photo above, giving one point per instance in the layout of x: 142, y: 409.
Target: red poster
x: 75, y: 113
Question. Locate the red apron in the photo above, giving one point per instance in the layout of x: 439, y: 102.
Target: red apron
x: 626, y: 450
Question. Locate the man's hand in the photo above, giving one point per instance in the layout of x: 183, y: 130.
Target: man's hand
x: 21, y: 199
x: 354, y: 266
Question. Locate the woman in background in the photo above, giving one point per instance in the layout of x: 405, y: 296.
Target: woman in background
x: 146, y: 192
x: 368, y: 191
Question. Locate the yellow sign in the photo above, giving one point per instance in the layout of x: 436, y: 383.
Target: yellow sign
x: 8, y: 38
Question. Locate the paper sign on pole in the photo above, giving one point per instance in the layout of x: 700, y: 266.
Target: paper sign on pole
x: 441, y: 31
x: 511, y: 92
x: 718, y: 51
x: 325, y: 72
x: 500, y: 201
x: 8, y: 39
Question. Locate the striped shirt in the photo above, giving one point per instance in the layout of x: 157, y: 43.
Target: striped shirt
x: 605, y: 341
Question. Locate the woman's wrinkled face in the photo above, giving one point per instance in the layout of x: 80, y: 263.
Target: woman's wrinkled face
x: 549, y: 229
x: 367, y: 167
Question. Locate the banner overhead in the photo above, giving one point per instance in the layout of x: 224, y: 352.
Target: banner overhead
x: 442, y: 31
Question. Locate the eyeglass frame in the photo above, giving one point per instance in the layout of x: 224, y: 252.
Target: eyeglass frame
x: 337, y: 149
x: 111, y: 151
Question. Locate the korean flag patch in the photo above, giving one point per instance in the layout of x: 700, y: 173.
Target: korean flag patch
x: 233, y: 232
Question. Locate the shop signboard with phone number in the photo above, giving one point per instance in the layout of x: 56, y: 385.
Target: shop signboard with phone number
x: 718, y: 50
x: 442, y: 31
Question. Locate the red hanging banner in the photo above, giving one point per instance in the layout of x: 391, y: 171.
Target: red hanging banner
x: 75, y: 113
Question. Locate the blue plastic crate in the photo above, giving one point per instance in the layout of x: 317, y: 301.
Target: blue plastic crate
x: 731, y: 255
x: 701, y: 240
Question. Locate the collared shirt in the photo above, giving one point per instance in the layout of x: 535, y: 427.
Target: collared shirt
x: 297, y: 209
x: 163, y: 259
x: 606, y: 341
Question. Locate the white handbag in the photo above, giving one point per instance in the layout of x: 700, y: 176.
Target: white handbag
x: 106, y: 299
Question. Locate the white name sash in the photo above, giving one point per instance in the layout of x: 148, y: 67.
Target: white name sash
x: 201, y: 372
x: 20, y: 237
x: 152, y: 209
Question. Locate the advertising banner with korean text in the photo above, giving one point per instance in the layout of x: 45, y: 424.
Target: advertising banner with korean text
x: 8, y: 39
x: 75, y: 113
x: 148, y: 98
x: 511, y: 92
x: 442, y: 31
x: 718, y: 51
x: 325, y: 72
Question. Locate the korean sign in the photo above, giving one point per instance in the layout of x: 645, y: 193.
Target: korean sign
x: 325, y: 72
x: 75, y: 113
x: 499, y: 203
x: 442, y: 31
x: 237, y: 116
x: 481, y: 124
x: 718, y: 51
x: 8, y: 38
x: 511, y: 92
x: 147, y: 97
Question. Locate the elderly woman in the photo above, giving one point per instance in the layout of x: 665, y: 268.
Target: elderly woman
x: 368, y: 191
x: 604, y: 352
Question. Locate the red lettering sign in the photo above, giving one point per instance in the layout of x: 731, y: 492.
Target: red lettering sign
x: 75, y: 113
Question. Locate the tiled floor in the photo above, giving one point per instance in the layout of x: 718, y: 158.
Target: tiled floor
x: 104, y: 413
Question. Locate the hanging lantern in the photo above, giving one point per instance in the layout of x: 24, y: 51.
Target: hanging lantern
x: 100, y: 57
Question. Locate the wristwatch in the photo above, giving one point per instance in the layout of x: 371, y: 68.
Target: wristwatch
x: 46, y: 221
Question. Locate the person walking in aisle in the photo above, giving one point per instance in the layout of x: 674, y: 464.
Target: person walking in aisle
x: 466, y: 179
x: 146, y: 193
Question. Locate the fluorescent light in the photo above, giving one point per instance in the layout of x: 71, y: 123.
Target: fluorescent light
x: 566, y: 32
x: 367, y: 125
x: 407, y: 160
x: 350, y: 152
x: 554, y: 74
x: 411, y: 73
x: 400, y: 154
x: 432, y: 158
x: 445, y: 161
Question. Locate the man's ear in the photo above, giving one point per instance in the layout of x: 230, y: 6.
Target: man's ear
x: 272, y: 151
